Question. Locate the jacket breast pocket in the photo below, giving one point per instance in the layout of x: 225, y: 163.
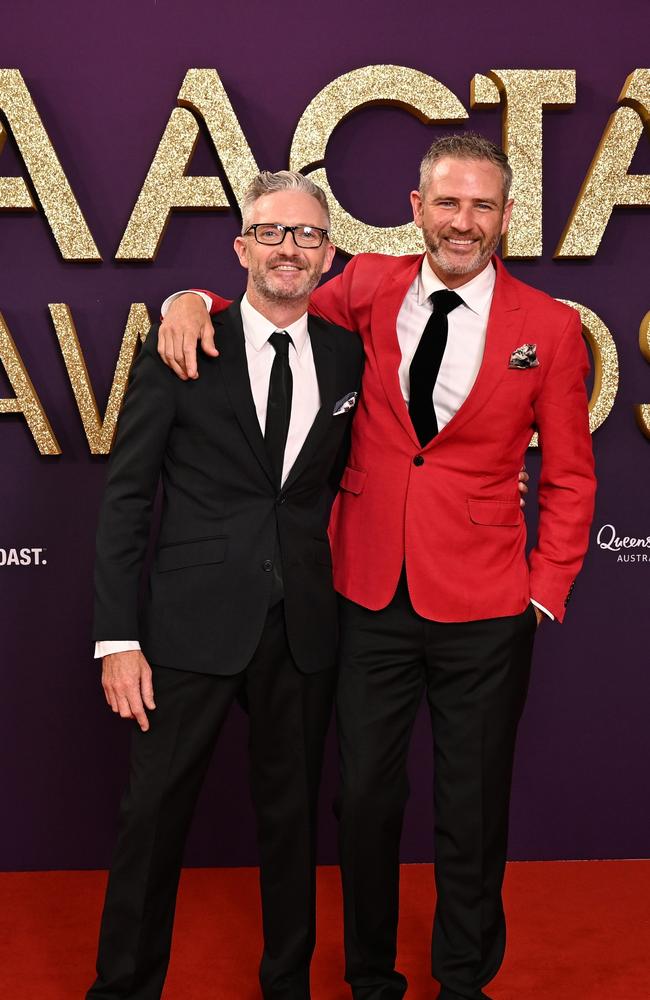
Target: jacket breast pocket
x: 200, y: 552
x: 353, y: 480
x: 499, y: 513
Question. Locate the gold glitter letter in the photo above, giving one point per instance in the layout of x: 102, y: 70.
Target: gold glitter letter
x: 55, y: 194
x: 603, y: 350
x: 605, y: 357
x: 26, y: 400
x: 642, y: 410
x: 608, y: 182
x: 525, y: 94
x: 167, y: 187
x: 99, y: 434
x: 14, y: 193
x: 417, y: 92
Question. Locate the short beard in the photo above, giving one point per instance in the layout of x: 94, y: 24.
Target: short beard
x: 272, y: 294
x: 474, y: 263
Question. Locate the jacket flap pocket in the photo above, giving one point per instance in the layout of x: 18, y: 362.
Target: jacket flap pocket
x: 497, y: 512
x: 353, y: 480
x: 197, y: 553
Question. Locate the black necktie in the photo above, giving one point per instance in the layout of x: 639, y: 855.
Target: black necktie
x: 278, y: 407
x: 426, y: 365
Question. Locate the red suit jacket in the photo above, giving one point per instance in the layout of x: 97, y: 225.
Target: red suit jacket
x: 450, y: 510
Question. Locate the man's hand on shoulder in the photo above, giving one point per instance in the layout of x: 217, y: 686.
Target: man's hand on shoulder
x: 187, y: 322
x: 128, y: 686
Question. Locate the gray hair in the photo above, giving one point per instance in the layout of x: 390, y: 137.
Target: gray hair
x: 284, y: 180
x: 465, y: 146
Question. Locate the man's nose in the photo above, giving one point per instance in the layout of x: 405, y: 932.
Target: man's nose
x: 463, y: 219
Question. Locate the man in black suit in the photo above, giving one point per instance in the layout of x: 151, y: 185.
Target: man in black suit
x: 240, y: 600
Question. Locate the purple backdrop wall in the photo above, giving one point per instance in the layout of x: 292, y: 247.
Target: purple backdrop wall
x: 105, y: 81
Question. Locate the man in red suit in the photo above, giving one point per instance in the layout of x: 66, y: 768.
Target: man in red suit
x: 462, y: 364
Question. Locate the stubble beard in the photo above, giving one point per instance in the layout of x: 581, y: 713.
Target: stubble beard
x: 447, y: 264
x: 262, y: 279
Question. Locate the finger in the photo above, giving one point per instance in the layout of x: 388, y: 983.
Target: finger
x: 146, y: 687
x: 207, y: 339
x: 110, y: 698
x: 166, y: 352
x: 172, y: 363
x: 162, y: 341
x: 123, y: 707
x: 179, y: 356
x: 137, y: 710
x: 189, y: 359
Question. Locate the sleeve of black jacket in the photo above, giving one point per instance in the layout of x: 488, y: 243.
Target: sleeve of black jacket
x: 132, y: 480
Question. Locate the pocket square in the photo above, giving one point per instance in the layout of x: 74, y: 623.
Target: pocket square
x: 345, y: 403
x: 524, y: 357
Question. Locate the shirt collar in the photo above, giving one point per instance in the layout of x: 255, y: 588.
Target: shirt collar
x: 476, y: 293
x: 258, y: 329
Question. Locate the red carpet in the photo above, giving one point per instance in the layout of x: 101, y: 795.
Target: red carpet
x: 577, y: 931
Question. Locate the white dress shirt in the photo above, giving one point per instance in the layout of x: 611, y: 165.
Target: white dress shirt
x: 467, y: 325
x: 305, y: 400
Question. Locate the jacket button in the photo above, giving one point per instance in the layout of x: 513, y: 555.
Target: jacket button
x: 267, y: 565
x: 418, y: 460
x: 280, y: 499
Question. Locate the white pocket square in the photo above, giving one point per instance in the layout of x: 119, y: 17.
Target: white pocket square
x: 524, y: 357
x: 345, y: 404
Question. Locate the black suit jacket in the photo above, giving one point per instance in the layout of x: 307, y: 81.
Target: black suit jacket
x: 212, y: 576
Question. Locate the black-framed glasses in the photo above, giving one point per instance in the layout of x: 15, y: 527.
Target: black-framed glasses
x: 272, y: 234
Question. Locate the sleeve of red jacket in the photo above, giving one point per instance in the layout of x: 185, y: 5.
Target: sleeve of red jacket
x: 567, y: 483
x: 218, y: 302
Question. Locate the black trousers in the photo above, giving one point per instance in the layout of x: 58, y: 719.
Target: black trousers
x: 475, y: 676
x: 289, y: 714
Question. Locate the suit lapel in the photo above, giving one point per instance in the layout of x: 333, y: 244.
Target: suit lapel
x: 385, y: 308
x: 503, y: 334
x: 234, y: 367
x: 325, y: 365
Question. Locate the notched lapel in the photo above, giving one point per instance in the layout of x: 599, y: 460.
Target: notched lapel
x: 234, y: 368
x: 385, y: 310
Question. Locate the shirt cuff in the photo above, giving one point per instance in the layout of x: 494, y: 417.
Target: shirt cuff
x: 542, y: 608
x: 187, y: 291
x: 107, y: 646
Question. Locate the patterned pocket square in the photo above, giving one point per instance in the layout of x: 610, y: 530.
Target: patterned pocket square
x: 524, y: 357
x: 345, y: 404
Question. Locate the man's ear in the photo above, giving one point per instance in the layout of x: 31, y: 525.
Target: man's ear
x: 507, y: 212
x: 416, y: 205
x: 241, y: 249
x: 329, y: 257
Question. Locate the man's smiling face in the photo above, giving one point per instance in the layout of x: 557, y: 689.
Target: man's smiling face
x: 285, y: 272
x: 462, y: 214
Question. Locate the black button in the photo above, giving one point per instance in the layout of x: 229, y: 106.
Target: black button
x: 418, y: 460
x: 267, y: 565
x: 280, y: 499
